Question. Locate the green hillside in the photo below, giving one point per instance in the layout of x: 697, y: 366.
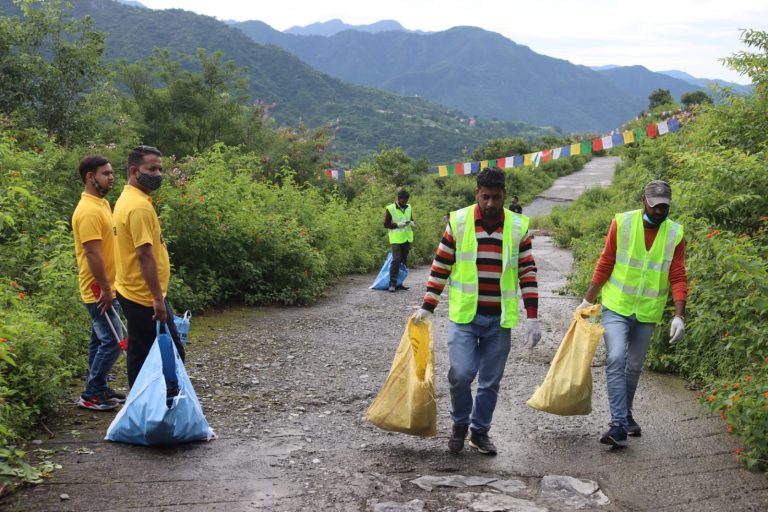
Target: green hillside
x: 366, y: 118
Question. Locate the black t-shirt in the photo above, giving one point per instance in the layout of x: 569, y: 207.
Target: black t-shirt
x: 516, y: 208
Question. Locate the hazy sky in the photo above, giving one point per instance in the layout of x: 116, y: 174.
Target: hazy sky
x: 689, y: 35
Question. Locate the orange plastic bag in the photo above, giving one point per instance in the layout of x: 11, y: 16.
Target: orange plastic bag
x: 406, y: 401
x: 567, y: 388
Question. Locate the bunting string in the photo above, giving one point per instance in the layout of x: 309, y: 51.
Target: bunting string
x: 614, y: 139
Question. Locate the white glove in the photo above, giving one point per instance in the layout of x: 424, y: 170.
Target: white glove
x: 401, y: 224
x: 584, y: 304
x: 532, y: 333
x: 422, y: 315
x: 677, y: 331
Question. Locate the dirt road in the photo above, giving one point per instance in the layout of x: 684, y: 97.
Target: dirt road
x: 286, y: 389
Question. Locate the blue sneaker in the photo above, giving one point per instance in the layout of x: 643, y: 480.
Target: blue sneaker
x: 616, y: 436
x: 633, y: 429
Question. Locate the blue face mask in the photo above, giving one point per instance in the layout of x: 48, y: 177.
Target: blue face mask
x: 649, y: 221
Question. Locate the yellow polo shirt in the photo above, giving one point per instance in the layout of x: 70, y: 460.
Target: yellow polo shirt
x: 92, y: 220
x: 137, y: 224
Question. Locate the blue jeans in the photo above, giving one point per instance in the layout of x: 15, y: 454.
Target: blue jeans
x: 103, y: 350
x: 626, y: 341
x: 476, y: 349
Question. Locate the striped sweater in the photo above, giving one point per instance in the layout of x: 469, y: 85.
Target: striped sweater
x: 489, y: 241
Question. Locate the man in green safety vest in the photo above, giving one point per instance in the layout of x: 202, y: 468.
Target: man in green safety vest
x: 642, y: 261
x: 486, y: 252
x: 398, y: 219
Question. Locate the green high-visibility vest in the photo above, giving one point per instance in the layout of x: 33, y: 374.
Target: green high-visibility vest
x: 639, y: 283
x: 400, y: 235
x: 464, y: 283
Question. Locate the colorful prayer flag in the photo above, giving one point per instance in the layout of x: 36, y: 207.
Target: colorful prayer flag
x: 475, y: 167
x: 651, y: 131
x: 663, y: 128
x: 546, y: 155
x: 483, y: 164
x: 528, y: 159
x: 501, y: 163
x: 607, y: 142
x: 640, y: 134
x: 586, y: 147
x: 442, y: 170
x: 629, y: 136
x: 468, y: 168
x: 673, y: 123
x: 576, y: 149
x: 597, y: 144
x: 556, y: 153
x: 536, y: 158
x: 510, y: 162
x: 617, y: 139
x: 518, y: 160
x: 565, y: 151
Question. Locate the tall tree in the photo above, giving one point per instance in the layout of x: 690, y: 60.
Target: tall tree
x: 48, y: 63
x: 659, y: 97
x: 689, y: 99
x: 190, y: 103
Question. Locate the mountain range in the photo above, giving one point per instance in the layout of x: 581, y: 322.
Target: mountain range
x: 479, y: 72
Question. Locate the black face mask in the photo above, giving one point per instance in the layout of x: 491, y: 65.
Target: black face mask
x: 149, y: 182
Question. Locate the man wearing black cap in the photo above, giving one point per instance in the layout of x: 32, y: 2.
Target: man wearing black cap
x: 398, y: 219
x: 642, y: 261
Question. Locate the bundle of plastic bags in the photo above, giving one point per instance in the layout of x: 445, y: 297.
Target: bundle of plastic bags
x: 162, y: 407
x: 382, y: 280
x: 567, y: 388
x: 406, y: 401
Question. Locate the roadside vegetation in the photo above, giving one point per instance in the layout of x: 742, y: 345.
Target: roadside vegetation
x: 717, y: 166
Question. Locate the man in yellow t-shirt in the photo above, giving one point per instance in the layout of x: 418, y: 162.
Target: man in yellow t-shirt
x: 94, y: 235
x: 143, y: 266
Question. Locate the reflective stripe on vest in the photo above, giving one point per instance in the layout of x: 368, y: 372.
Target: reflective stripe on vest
x: 464, y: 289
x: 400, y: 235
x: 639, y: 283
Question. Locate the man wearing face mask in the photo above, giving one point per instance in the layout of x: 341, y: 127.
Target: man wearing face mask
x: 642, y: 261
x: 94, y: 234
x: 486, y: 252
x: 143, y: 266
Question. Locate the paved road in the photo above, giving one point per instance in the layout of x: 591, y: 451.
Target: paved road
x: 287, y: 389
x: 598, y: 172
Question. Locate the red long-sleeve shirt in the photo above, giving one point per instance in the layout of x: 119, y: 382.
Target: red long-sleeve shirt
x: 677, y: 276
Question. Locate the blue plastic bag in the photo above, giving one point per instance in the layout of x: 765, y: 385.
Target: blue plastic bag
x: 382, y: 280
x: 182, y: 325
x: 147, y: 418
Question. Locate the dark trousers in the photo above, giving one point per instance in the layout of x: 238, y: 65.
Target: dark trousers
x: 399, y: 255
x: 142, y: 334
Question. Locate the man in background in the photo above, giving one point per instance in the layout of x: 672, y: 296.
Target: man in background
x: 143, y: 266
x: 94, y: 234
x: 514, y: 206
x: 398, y: 219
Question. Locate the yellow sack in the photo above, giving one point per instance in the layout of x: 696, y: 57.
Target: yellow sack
x: 567, y: 388
x: 406, y: 402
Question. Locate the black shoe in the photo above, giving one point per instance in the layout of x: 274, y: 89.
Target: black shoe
x: 114, y: 395
x: 616, y: 436
x: 456, y: 442
x: 482, y: 442
x: 391, y: 288
x: 633, y: 429
x: 402, y: 287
